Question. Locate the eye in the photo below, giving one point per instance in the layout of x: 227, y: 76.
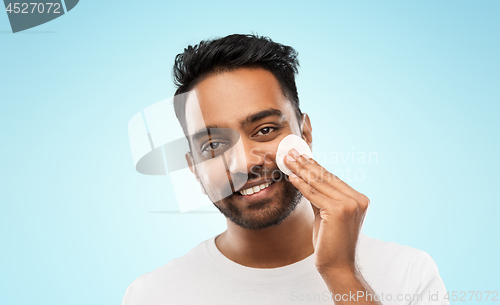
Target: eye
x: 266, y: 130
x: 213, y: 146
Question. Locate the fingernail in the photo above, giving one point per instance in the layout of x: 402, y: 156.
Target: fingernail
x: 292, y: 176
x: 290, y: 158
x: 294, y: 153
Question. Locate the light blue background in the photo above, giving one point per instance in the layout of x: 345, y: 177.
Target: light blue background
x: 417, y: 82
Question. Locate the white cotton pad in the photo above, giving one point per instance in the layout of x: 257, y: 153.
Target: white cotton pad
x: 289, y: 142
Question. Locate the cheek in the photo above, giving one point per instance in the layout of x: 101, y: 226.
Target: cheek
x: 212, y: 172
x: 270, y: 159
x: 270, y: 149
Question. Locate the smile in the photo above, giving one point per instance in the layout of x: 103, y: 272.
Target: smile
x: 255, y: 189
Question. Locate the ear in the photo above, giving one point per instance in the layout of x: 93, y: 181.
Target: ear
x: 306, y: 129
x: 192, y: 168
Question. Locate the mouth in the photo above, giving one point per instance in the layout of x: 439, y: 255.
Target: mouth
x: 257, y: 192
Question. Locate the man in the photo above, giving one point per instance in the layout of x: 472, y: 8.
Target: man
x: 289, y: 238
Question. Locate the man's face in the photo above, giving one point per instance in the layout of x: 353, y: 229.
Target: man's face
x: 247, y: 105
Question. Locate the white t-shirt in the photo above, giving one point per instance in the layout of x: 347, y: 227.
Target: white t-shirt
x: 397, y: 274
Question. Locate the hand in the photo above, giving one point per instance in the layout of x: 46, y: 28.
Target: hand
x: 339, y: 213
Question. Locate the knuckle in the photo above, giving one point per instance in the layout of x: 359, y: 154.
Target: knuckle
x: 313, y: 191
x: 353, y: 209
x: 320, y: 176
x: 332, y: 188
x: 325, y: 175
x: 365, y: 201
x: 335, y: 178
x: 351, y: 206
x: 303, y: 160
x: 352, y: 202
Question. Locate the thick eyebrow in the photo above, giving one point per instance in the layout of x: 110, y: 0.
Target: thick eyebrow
x: 252, y: 118
x: 261, y: 115
x: 204, y: 132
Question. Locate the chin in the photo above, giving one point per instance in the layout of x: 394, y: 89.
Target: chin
x: 264, y: 213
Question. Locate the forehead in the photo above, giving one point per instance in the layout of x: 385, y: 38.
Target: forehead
x: 225, y: 99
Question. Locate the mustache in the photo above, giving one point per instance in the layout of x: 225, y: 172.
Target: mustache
x: 256, y: 173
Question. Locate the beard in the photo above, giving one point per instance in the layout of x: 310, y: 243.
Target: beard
x: 264, y: 213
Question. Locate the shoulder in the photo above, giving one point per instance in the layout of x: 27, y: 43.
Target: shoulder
x: 375, y: 254
x: 391, y: 265
x: 178, y: 270
x: 373, y: 250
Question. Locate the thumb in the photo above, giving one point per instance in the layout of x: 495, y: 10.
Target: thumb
x: 315, y: 209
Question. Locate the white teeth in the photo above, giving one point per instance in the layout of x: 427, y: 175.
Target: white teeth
x: 255, y: 189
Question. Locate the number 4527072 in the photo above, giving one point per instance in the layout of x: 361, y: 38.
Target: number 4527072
x: 34, y: 8
x: 479, y: 295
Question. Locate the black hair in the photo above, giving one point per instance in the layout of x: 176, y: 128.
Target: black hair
x: 231, y: 52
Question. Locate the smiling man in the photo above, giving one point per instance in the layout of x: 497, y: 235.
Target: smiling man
x: 290, y: 238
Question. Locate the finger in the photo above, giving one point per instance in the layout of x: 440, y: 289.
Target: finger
x: 313, y: 175
x: 315, y: 208
x: 317, y: 199
x: 322, y: 202
x: 322, y: 179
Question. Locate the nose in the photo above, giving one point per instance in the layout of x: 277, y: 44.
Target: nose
x: 240, y: 161
x: 243, y: 157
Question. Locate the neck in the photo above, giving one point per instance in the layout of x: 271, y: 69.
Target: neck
x: 278, y: 246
